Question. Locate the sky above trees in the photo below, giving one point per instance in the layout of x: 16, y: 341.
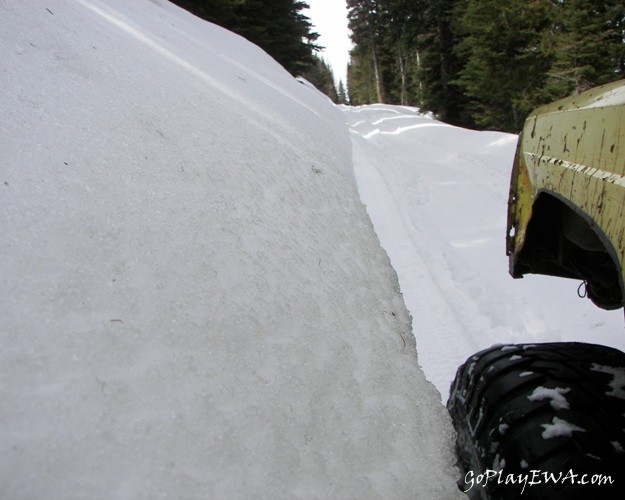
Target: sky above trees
x: 329, y: 18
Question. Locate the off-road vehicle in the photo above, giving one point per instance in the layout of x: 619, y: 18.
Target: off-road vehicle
x: 548, y: 420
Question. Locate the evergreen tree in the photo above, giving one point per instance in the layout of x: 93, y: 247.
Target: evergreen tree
x: 365, y: 22
x: 277, y: 26
x: 404, y: 25
x: 341, y: 94
x: 482, y: 63
x: 440, y: 65
x: 287, y: 37
x: 221, y: 12
x: 321, y: 76
x: 587, y: 44
x: 413, y: 49
x: 360, y: 77
x: 505, y: 68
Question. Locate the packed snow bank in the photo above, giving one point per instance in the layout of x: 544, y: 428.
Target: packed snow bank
x: 437, y: 196
x: 193, y: 300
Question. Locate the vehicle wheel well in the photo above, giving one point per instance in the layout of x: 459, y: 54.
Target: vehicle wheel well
x: 563, y: 241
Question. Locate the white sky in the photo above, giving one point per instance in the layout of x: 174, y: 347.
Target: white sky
x: 329, y: 18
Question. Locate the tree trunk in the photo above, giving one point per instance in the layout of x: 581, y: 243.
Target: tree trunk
x: 403, y: 73
x: 379, y: 86
x: 420, y: 95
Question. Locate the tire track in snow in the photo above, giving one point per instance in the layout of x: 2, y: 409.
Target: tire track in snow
x: 451, y: 302
x: 434, y: 309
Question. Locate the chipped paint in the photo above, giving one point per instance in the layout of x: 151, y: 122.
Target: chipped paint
x: 573, y: 149
x: 604, y: 175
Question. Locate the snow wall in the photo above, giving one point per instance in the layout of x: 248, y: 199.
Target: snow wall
x: 193, y: 300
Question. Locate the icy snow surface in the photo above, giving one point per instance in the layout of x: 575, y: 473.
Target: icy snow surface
x: 194, y: 303
x: 437, y: 196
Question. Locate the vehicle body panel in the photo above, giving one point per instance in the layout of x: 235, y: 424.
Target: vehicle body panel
x: 574, y: 150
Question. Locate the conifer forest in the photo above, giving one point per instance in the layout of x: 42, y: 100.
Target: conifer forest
x: 481, y: 64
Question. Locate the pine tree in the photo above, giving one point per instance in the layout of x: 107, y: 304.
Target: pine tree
x: 321, y: 76
x: 360, y: 77
x: 505, y: 67
x: 365, y: 22
x: 413, y: 52
x: 277, y: 26
x: 341, y: 94
x: 587, y: 42
x: 440, y: 65
x: 482, y: 63
x: 404, y: 22
x: 221, y: 12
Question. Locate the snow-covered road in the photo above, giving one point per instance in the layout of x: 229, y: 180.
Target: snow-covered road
x: 437, y: 197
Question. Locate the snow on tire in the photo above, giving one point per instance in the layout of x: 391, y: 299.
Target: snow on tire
x: 541, y: 421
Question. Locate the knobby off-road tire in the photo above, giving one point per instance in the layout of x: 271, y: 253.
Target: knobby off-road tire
x: 556, y: 408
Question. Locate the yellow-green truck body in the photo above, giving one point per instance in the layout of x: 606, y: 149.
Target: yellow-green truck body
x: 567, y: 194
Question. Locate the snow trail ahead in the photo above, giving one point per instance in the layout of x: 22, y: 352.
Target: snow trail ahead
x: 437, y: 196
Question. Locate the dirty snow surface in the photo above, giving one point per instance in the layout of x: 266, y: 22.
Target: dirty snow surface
x: 437, y: 196
x: 194, y: 303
